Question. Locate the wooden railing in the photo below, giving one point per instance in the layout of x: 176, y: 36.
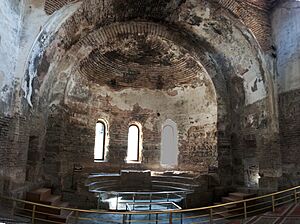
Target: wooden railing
x: 232, y: 210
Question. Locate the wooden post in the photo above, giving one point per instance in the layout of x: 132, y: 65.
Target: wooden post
x: 295, y: 195
x: 211, y: 216
x: 245, y: 210
x: 273, y: 204
x: 14, y: 205
x: 170, y: 218
x: 33, y: 214
x: 76, y: 216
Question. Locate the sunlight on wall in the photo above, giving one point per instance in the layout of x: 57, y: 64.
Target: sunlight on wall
x: 99, y: 141
x: 133, y: 143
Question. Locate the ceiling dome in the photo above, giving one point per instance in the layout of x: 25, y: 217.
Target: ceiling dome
x: 138, y: 55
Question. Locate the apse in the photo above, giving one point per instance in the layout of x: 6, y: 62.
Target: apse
x: 108, y: 104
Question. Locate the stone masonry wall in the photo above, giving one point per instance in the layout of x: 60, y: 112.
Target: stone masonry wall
x: 253, y: 13
x: 71, y: 134
x: 14, y: 136
x: 289, y: 104
x: 244, y: 63
x: 286, y: 33
x: 223, y: 48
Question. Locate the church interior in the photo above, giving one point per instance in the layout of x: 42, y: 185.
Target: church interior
x: 149, y: 111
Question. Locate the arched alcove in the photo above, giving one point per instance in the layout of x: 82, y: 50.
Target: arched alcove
x: 93, y: 67
x: 169, y: 144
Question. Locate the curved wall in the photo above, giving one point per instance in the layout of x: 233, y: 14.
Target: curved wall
x: 64, y: 115
x: 286, y: 33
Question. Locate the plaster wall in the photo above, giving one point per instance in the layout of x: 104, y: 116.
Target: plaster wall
x: 233, y: 60
x: 286, y: 33
x: 10, y: 29
x: 41, y: 57
x: 193, y: 108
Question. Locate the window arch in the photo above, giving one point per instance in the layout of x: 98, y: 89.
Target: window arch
x: 100, y: 141
x: 133, y: 144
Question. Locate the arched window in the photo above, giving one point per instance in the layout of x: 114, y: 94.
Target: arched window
x: 169, y: 145
x: 100, y: 134
x: 133, y: 144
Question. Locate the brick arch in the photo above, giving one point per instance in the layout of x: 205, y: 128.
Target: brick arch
x: 52, y: 6
x: 254, y: 13
x: 75, y: 24
x: 70, y: 33
x: 108, y: 33
x: 180, y: 70
x: 203, y: 63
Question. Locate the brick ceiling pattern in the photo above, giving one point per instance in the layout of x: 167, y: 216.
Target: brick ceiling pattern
x: 154, y: 60
x: 253, y: 13
x: 53, y: 5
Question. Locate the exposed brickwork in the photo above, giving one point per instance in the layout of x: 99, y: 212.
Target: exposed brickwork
x: 136, y: 49
x: 254, y: 13
x: 89, y: 35
x: 198, y: 150
x: 289, y: 121
x: 14, y: 137
x: 286, y: 33
x: 167, y: 49
x: 256, y: 144
x: 72, y: 133
x: 53, y: 146
x: 54, y: 5
x: 255, y: 16
x: 14, y: 132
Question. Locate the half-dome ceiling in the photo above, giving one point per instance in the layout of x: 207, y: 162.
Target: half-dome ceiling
x: 139, y: 58
x: 254, y: 13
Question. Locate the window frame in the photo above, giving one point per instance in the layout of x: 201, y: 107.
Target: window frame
x: 138, y: 160
x: 104, y: 141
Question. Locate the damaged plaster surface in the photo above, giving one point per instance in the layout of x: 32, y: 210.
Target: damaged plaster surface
x: 10, y: 27
x: 189, y: 106
x: 214, y: 44
x: 286, y: 32
x: 144, y: 61
x: 40, y: 44
x: 285, y: 21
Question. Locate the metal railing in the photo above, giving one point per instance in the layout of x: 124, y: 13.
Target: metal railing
x: 210, y: 214
x: 122, y: 197
x: 131, y: 206
x: 110, y: 194
x: 168, y: 206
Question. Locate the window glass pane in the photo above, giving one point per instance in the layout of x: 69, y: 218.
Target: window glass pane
x: 99, y: 141
x: 133, y: 143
